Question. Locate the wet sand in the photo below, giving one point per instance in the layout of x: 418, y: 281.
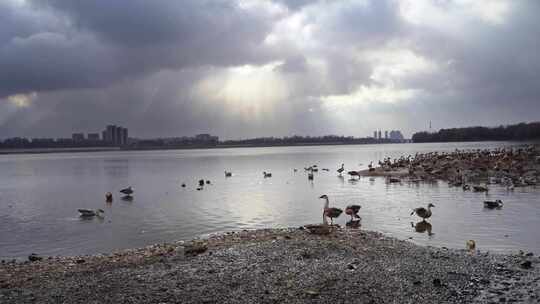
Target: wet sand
x: 277, y: 266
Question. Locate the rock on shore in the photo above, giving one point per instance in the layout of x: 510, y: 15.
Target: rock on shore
x: 277, y: 266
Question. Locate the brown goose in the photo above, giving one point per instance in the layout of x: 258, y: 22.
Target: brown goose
x: 329, y: 211
x: 423, y: 212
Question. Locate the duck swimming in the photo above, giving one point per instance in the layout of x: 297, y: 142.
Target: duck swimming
x: 90, y: 212
x: 493, y: 204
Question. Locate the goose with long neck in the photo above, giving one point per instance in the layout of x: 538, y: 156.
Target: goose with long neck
x: 329, y: 211
x: 422, y: 212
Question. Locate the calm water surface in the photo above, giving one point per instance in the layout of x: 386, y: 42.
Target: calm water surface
x: 40, y: 195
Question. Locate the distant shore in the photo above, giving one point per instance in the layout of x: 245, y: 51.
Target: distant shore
x: 277, y: 266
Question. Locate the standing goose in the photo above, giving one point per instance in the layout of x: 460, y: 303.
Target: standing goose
x: 423, y: 212
x: 328, y: 211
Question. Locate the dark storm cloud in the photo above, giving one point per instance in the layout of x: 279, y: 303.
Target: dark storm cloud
x: 105, y: 41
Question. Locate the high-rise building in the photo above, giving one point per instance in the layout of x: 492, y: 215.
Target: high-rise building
x: 385, y: 134
x: 375, y: 134
x: 379, y: 133
x: 115, y: 135
x: 124, y: 136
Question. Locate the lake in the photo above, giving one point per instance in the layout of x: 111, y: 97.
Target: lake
x: 40, y: 195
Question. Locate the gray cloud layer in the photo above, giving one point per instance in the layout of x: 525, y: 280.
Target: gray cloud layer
x: 250, y: 68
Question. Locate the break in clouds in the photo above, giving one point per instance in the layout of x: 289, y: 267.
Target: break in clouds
x: 245, y: 68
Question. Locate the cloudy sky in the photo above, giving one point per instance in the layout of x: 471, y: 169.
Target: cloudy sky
x: 246, y: 68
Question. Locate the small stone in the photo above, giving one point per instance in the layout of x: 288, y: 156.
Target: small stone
x: 526, y: 265
x: 417, y: 282
x: 312, y: 292
x: 80, y: 261
x: 437, y: 283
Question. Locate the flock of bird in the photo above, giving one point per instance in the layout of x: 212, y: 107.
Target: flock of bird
x: 328, y: 212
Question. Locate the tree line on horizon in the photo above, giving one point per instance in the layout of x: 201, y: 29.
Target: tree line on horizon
x: 517, y: 132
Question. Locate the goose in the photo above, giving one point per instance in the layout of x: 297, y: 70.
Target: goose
x: 90, y: 212
x: 108, y: 197
x: 480, y: 189
x: 267, y: 174
x: 423, y: 212
x: 128, y: 191
x: 352, y: 210
x: 370, y: 166
x: 228, y: 174
x: 201, y: 182
x: 329, y: 211
x: 493, y: 204
x: 340, y: 170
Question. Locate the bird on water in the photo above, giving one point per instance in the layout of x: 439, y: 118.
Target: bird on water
x: 329, y: 211
x: 422, y: 212
x: 90, y: 212
x: 340, y: 170
x: 128, y: 191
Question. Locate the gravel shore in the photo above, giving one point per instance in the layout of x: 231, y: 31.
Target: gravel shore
x: 277, y: 266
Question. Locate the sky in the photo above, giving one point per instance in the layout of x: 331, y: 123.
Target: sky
x: 251, y: 68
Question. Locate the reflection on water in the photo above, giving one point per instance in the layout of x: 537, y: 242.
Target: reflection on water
x: 422, y: 227
x: 40, y: 195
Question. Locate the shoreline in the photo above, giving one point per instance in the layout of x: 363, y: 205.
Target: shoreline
x: 274, y: 266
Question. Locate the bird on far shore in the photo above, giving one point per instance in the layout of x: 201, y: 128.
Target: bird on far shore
x: 228, y: 174
x: 422, y: 212
x: 267, y: 174
x: 329, y: 211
